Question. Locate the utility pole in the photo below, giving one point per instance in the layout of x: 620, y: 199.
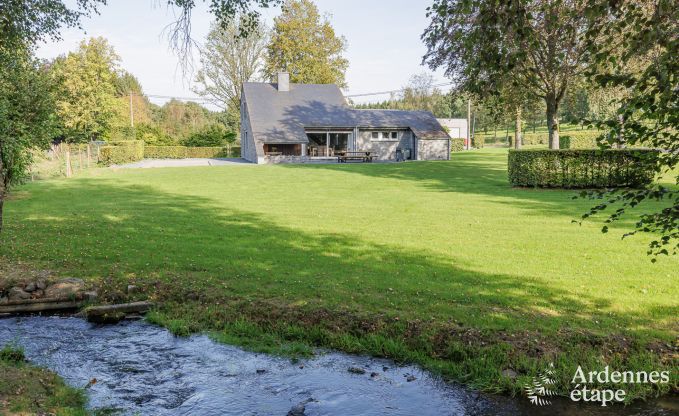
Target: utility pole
x: 469, y: 121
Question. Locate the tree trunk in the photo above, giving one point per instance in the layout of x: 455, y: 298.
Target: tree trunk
x: 552, y: 121
x: 2, y: 202
x: 517, y: 130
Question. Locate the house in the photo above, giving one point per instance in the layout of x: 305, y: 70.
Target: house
x: 287, y: 122
x: 455, y: 127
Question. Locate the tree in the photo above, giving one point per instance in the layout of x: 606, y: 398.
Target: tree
x: 636, y: 52
x: 27, y: 22
x: 536, y: 45
x: 228, y: 60
x: 86, y: 100
x: 305, y: 45
x: 26, y: 116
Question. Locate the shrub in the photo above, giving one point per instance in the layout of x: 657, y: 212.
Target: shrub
x: 122, y: 152
x: 456, y: 145
x: 13, y: 354
x: 165, y: 152
x: 582, y: 168
x: 580, y: 139
x: 183, y: 152
x: 478, y: 141
x: 213, y: 136
x: 206, y: 152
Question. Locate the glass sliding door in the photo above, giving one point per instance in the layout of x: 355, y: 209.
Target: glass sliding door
x: 318, y: 144
x: 339, y: 143
x: 327, y: 144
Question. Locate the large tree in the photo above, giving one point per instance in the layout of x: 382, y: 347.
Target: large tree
x: 229, y: 59
x: 635, y: 53
x: 304, y: 44
x: 86, y: 101
x: 26, y: 115
x: 541, y: 43
x: 26, y: 120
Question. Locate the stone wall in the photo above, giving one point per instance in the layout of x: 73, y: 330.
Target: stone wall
x: 384, y: 149
x: 433, y: 149
x: 248, y: 147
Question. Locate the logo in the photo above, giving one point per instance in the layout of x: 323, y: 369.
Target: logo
x: 539, y: 390
x: 586, y: 385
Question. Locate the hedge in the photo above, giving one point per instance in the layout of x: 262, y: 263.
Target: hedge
x: 478, y: 141
x: 456, y: 145
x: 582, y: 168
x: 183, y: 152
x: 122, y: 152
x: 584, y: 139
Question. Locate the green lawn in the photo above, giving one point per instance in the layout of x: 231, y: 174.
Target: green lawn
x: 437, y: 262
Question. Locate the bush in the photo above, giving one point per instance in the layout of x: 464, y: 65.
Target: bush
x: 456, y: 145
x: 582, y: 168
x: 478, y: 141
x: 206, y: 152
x: 183, y: 152
x: 583, y: 139
x: 121, y: 152
x: 13, y: 354
x: 531, y: 139
x: 165, y: 152
x: 212, y: 136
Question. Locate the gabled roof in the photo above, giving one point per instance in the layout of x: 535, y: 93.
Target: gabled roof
x: 282, y: 116
x: 422, y: 123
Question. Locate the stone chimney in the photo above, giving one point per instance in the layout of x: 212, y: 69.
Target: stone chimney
x: 283, y: 81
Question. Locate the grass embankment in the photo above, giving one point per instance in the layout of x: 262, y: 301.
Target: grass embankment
x: 440, y: 263
x: 25, y: 389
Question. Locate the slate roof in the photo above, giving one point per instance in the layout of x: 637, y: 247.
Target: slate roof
x: 282, y: 116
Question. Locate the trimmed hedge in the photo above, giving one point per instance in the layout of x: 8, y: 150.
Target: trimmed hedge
x: 585, y: 139
x: 582, y: 168
x: 183, y: 152
x: 122, y: 152
x: 478, y: 141
x: 456, y: 145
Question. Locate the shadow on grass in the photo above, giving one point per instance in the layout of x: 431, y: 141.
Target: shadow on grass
x: 483, y: 174
x: 96, y: 228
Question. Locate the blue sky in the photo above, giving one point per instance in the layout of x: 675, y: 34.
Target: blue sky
x: 383, y: 36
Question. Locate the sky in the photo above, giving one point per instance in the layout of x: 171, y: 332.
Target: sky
x: 383, y: 42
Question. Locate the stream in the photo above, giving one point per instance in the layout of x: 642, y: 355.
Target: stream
x: 142, y: 369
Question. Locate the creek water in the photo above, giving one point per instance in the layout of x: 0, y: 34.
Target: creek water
x: 142, y: 369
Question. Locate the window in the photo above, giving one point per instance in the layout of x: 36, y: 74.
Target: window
x: 394, y: 135
x: 375, y: 135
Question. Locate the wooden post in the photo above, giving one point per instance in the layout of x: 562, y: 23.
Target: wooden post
x: 69, y: 170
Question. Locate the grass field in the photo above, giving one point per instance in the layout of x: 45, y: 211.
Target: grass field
x: 436, y: 262
x: 25, y: 389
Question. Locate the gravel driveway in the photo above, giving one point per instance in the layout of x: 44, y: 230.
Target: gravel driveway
x: 178, y: 163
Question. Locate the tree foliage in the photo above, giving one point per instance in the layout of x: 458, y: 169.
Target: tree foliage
x: 26, y: 116
x: 86, y: 90
x: 304, y: 44
x: 487, y: 46
x: 421, y: 94
x: 228, y: 60
x: 636, y: 51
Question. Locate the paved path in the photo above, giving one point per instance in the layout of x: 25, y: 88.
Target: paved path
x: 177, y: 163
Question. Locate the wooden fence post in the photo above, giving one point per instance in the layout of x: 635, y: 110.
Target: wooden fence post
x: 69, y: 170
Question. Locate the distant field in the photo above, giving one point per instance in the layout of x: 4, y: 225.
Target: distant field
x: 437, y: 262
